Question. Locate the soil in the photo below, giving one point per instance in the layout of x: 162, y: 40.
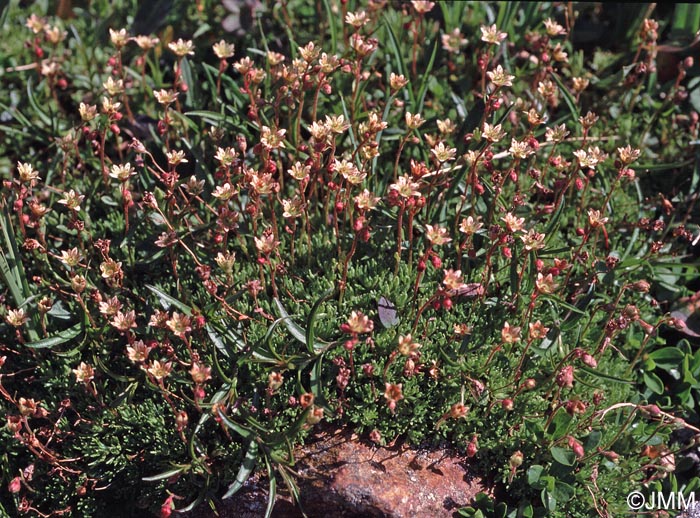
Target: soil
x: 341, y: 476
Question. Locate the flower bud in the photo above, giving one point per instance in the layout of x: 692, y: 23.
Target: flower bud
x: 15, y: 485
x: 565, y: 377
x: 472, y: 447
x: 516, y: 460
x: 641, y: 286
x: 181, y: 420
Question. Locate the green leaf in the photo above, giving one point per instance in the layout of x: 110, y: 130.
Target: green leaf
x: 568, y: 98
x: 563, y: 456
x: 239, y: 429
x: 12, y: 270
x: 396, y: 49
x: 246, y: 469
x: 549, y: 502
x: 164, y: 475
x: 188, y: 79
x: 296, y: 330
x: 167, y: 301
x: 271, y: 495
x: 654, y: 383
x: 424, y: 81
x: 604, y: 376
x: 311, y: 320
x: 533, y: 474
x: 563, y: 492
x: 331, y: 25
x: 45, y: 119
x: 208, y: 116
x: 316, y: 381
x: 667, y: 357
x: 58, y: 339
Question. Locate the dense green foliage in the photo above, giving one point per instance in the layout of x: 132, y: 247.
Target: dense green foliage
x: 463, y: 222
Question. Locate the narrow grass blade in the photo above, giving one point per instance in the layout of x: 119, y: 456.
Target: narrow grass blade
x: 568, y: 98
x: 311, y: 321
x: 245, y: 471
x: 164, y: 475
x: 240, y: 430
x: 58, y: 339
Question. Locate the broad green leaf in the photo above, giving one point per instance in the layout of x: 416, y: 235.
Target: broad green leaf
x: 563, y: 456
x: 667, y: 358
x: 654, y: 383
x: 533, y: 474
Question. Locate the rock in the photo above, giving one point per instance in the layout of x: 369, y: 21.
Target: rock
x: 341, y: 476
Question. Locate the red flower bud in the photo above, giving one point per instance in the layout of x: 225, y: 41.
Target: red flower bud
x: 472, y: 447
x: 15, y: 485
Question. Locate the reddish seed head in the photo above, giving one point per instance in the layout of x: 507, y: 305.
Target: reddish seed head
x: 447, y: 303
x: 436, y: 261
x: 507, y: 404
x: 421, y: 266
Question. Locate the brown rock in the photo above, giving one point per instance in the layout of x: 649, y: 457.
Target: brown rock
x: 341, y: 476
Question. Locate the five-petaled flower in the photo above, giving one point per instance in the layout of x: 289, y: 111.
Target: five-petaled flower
x: 393, y: 393
x: 358, y: 323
